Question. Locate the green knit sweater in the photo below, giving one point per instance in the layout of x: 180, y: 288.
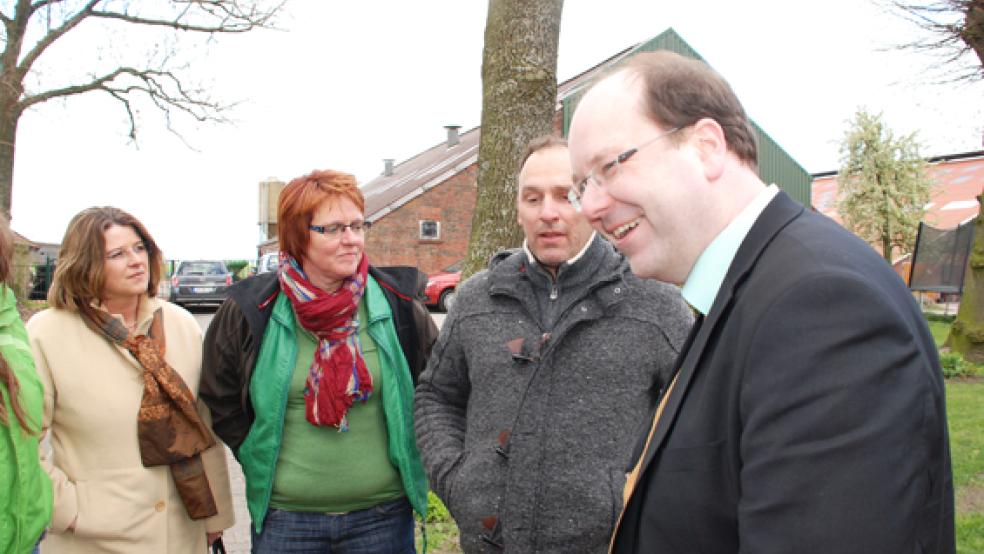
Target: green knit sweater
x: 323, y: 470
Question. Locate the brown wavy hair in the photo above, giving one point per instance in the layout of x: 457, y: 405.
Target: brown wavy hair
x: 302, y: 197
x: 7, y: 376
x: 79, y: 275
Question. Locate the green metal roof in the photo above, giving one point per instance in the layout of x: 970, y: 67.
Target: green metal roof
x: 775, y: 164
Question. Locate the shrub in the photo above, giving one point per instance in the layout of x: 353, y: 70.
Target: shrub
x: 237, y: 268
x: 22, y: 272
x: 940, y: 317
x: 436, y: 511
x: 954, y: 365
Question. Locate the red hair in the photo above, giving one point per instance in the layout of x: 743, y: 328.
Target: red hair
x: 302, y: 197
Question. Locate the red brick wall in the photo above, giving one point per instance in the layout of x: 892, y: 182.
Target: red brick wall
x: 394, y: 237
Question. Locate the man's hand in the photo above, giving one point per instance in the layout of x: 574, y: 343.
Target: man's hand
x: 212, y: 537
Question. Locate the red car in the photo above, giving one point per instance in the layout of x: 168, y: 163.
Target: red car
x: 441, y: 286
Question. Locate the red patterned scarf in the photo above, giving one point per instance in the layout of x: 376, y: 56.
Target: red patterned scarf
x: 338, y: 374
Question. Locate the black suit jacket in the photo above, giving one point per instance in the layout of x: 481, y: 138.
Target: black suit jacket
x: 809, y: 412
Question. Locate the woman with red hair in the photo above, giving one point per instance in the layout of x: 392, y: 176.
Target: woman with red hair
x: 309, y: 373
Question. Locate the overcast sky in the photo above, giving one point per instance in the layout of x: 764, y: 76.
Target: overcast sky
x: 345, y: 84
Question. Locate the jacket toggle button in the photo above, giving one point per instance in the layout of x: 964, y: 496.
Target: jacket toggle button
x: 502, y: 448
x: 159, y: 506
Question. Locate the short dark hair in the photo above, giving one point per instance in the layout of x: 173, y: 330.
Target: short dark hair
x: 679, y: 91
x: 541, y: 142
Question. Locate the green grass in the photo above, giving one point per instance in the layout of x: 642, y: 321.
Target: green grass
x: 442, y: 532
x: 965, y: 413
x: 970, y: 533
x: 940, y: 330
x: 965, y: 416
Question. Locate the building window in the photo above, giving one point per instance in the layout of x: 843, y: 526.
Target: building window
x: 430, y: 229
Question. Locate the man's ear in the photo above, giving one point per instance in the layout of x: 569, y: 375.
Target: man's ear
x: 707, y: 137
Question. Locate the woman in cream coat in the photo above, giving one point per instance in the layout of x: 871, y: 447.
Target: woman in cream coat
x: 120, y: 483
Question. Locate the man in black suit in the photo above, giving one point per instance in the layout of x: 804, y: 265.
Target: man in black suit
x: 808, y: 411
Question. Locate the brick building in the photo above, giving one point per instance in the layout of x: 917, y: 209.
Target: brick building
x: 957, y: 180
x: 421, y: 208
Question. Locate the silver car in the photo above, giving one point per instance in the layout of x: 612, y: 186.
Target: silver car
x: 200, y: 282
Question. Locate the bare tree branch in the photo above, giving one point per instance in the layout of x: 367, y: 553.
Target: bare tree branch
x: 54, y: 34
x: 154, y: 79
x: 161, y: 87
x: 953, y: 29
x: 231, y: 17
x: 42, y: 3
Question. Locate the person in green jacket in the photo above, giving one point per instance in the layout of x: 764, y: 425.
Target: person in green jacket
x: 309, y: 374
x: 25, y: 503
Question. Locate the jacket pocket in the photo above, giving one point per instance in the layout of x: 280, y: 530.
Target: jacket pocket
x: 452, y: 478
x: 577, y: 512
x: 122, y: 503
x: 474, y: 493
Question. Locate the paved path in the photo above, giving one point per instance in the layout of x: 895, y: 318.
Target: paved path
x: 236, y: 539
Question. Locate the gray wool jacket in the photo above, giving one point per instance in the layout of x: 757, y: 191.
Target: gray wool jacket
x: 536, y: 393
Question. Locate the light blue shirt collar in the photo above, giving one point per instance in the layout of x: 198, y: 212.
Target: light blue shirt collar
x: 704, y: 281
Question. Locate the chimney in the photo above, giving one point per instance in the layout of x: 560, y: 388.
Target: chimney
x: 452, y: 134
x: 388, y: 166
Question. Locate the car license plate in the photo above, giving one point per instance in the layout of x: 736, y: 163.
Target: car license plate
x: 202, y: 290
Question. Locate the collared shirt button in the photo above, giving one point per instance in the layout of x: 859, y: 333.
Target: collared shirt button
x: 159, y: 506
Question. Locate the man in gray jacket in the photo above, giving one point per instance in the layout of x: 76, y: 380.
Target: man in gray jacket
x: 545, y: 369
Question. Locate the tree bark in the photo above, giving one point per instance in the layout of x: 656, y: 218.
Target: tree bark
x: 967, y: 332
x: 973, y: 31
x: 8, y: 136
x: 519, y: 97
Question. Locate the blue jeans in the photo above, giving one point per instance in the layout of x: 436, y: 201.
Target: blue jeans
x: 386, y: 528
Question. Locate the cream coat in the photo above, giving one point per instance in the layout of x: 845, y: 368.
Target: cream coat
x: 92, y: 395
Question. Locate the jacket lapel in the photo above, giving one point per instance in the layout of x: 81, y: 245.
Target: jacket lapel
x: 780, y: 211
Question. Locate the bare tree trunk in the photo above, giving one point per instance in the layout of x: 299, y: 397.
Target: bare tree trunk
x: 967, y: 333
x: 11, y: 89
x: 519, y: 97
x: 8, y: 137
x: 973, y: 32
